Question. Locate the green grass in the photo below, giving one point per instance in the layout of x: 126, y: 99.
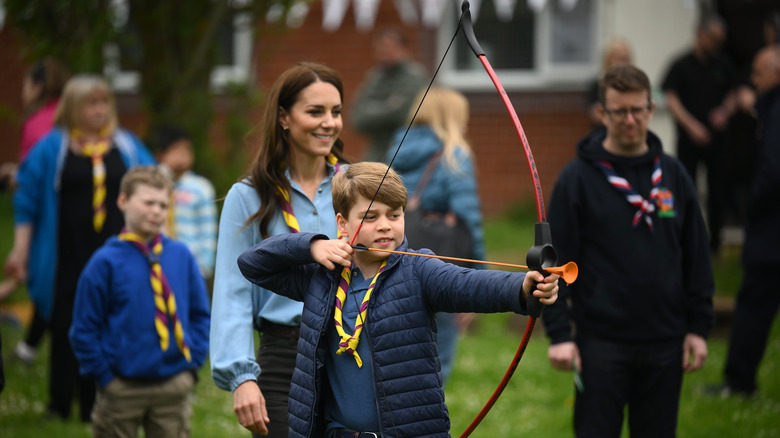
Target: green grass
x: 537, y: 402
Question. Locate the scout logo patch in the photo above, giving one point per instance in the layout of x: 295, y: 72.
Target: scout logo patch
x: 665, y: 202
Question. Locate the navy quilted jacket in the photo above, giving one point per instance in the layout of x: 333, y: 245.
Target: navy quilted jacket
x: 401, y: 328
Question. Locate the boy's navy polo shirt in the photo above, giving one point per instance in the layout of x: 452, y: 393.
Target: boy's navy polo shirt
x: 350, y: 403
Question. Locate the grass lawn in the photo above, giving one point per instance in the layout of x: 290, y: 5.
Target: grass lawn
x: 537, y: 402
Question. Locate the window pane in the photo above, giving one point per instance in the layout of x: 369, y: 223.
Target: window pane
x: 507, y: 44
x: 225, y: 43
x: 571, y: 32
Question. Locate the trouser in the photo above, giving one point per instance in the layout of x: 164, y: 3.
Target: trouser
x: 646, y: 376
x: 447, y: 343
x: 757, y: 304
x: 64, y: 378
x: 36, y: 331
x: 276, y: 357
x: 162, y: 408
x: 712, y: 156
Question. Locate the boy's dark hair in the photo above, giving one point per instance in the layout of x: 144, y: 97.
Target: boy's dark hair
x: 163, y: 137
x: 363, y: 179
x: 624, y: 78
x: 149, y: 175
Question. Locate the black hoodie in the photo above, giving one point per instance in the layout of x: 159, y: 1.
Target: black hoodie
x: 634, y: 284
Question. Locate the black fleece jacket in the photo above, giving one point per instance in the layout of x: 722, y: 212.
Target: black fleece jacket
x: 634, y: 284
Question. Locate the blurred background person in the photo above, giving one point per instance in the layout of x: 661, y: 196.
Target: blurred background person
x: 616, y: 52
x: 383, y: 99
x: 192, y: 214
x: 700, y: 93
x: 286, y: 190
x: 64, y: 209
x: 41, y: 90
x: 759, y: 297
x: 438, y: 134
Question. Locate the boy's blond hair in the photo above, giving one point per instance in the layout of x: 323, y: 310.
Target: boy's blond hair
x: 363, y: 179
x: 149, y: 175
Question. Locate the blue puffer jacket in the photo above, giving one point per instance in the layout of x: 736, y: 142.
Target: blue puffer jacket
x: 401, y: 328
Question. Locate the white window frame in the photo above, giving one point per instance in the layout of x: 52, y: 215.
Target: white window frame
x: 546, y: 76
x: 129, y: 81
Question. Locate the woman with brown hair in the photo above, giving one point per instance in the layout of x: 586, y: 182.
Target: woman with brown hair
x: 287, y: 189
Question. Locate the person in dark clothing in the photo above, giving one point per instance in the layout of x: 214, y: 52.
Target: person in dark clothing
x: 628, y: 215
x: 699, y: 90
x: 759, y: 297
x: 383, y: 100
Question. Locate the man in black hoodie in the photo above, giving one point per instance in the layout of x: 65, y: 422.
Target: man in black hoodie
x: 642, y: 305
x: 759, y: 295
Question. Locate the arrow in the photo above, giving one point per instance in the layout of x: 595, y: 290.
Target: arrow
x: 568, y: 272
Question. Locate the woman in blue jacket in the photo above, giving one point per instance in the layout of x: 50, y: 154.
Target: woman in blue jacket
x: 440, y: 128
x: 64, y: 209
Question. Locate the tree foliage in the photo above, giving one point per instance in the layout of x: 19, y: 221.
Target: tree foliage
x: 172, y: 44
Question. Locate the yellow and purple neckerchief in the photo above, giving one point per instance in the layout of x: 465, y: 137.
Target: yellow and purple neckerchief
x: 164, y: 300
x: 286, y: 202
x: 349, y: 343
x: 96, y: 150
x: 170, y: 218
x: 645, y: 208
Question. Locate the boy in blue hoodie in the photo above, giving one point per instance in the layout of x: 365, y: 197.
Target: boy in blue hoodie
x: 141, y: 319
x: 367, y: 359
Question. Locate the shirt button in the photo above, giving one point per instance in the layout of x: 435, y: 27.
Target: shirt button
x: 314, y: 212
x: 320, y: 190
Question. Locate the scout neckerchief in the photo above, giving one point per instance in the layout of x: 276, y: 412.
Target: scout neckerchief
x: 164, y: 299
x: 286, y: 202
x: 170, y: 218
x: 349, y: 343
x: 644, y: 207
x: 96, y: 150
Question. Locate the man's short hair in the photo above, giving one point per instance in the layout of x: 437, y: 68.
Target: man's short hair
x: 624, y: 78
x: 363, y: 179
x: 149, y: 175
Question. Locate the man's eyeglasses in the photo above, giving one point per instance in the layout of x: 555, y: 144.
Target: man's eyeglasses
x: 622, y: 113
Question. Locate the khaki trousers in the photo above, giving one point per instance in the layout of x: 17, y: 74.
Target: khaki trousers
x: 162, y: 408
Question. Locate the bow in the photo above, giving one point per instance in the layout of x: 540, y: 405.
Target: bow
x: 542, y: 254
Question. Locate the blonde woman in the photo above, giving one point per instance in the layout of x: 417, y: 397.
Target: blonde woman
x: 440, y: 126
x: 65, y: 208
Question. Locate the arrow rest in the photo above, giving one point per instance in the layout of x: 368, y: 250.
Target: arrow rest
x: 541, y: 255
